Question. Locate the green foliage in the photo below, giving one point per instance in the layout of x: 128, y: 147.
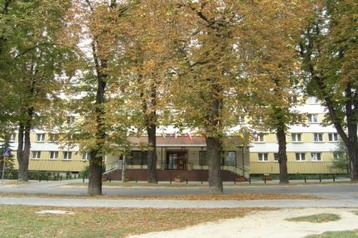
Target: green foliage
x: 336, y: 234
x: 317, y: 218
x: 341, y: 161
x: 329, y: 51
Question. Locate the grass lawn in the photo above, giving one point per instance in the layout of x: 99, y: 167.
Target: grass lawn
x: 336, y: 234
x: 317, y: 218
x: 23, y: 221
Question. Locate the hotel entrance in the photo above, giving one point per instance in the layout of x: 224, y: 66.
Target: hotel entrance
x: 176, y: 160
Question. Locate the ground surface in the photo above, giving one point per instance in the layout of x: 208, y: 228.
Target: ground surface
x: 264, y: 224
x: 337, y: 198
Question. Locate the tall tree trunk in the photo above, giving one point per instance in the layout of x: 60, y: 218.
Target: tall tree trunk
x: 152, y: 154
x: 150, y: 118
x: 23, y: 153
x: 95, y: 174
x: 352, y: 149
x: 96, y: 158
x: 24, y: 146
x: 214, y: 138
x: 352, y: 128
x: 20, y: 154
x: 345, y: 121
x: 282, y: 155
x: 214, y: 155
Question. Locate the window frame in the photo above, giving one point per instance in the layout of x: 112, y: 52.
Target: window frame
x: 316, y: 156
x: 333, y: 137
x: 67, y: 155
x: 262, y: 157
x: 318, y: 137
x: 138, y: 157
x: 36, y: 154
x: 40, y: 137
x: 296, y: 137
x: 203, y: 160
x: 313, y: 118
x: 230, y: 158
x: 300, y: 156
x: 85, y: 156
x: 52, y: 153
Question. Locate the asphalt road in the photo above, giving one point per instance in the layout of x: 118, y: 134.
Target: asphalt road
x: 341, y: 189
x: 333, y: 194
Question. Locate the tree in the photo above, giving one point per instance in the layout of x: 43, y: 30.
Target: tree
x: 329, y: 51
x: 341, y: 160
x: 271, y: 30
x: 209, y: 71
x: 32, y: 59
x: 239, y: 61
x: 144, y: 69
x: 93, y: 35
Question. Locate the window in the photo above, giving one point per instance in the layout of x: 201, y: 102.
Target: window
x: 259, y: 137
x: 40, y: 137
x: 230, y: 158
x: 202, y: 158
x: 263, y: 156
x: 54, y: 137
x: 315, y: 156
x: 296, y: 137
x: 53, y: 154
x: 36, y: 154
x: 300, y: 156
x: 312, y: 118
x: 67, y: 155
x: 86, y: 156
x: 318, y: 137
x: 332, y: 137
x: 138, y: 158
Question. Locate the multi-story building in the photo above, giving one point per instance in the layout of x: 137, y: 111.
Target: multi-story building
x: 311, y: 149
x: 47, y: 154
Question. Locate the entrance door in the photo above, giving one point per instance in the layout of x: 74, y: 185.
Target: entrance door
x: 176, y: 160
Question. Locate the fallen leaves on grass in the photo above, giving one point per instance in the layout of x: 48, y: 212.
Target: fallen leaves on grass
x: 22, y: 221
x: 234, y: 196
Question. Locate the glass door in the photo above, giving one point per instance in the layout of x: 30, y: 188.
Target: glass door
x: 176, y: 160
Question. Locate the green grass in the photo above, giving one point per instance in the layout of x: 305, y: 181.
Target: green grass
x: 23, y: 221
x: 317, y: 218
x: 336, y: 234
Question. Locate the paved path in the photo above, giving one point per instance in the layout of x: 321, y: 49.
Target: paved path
x: 335, y: 195
x: 338, y: 198
x: 150, y: 203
